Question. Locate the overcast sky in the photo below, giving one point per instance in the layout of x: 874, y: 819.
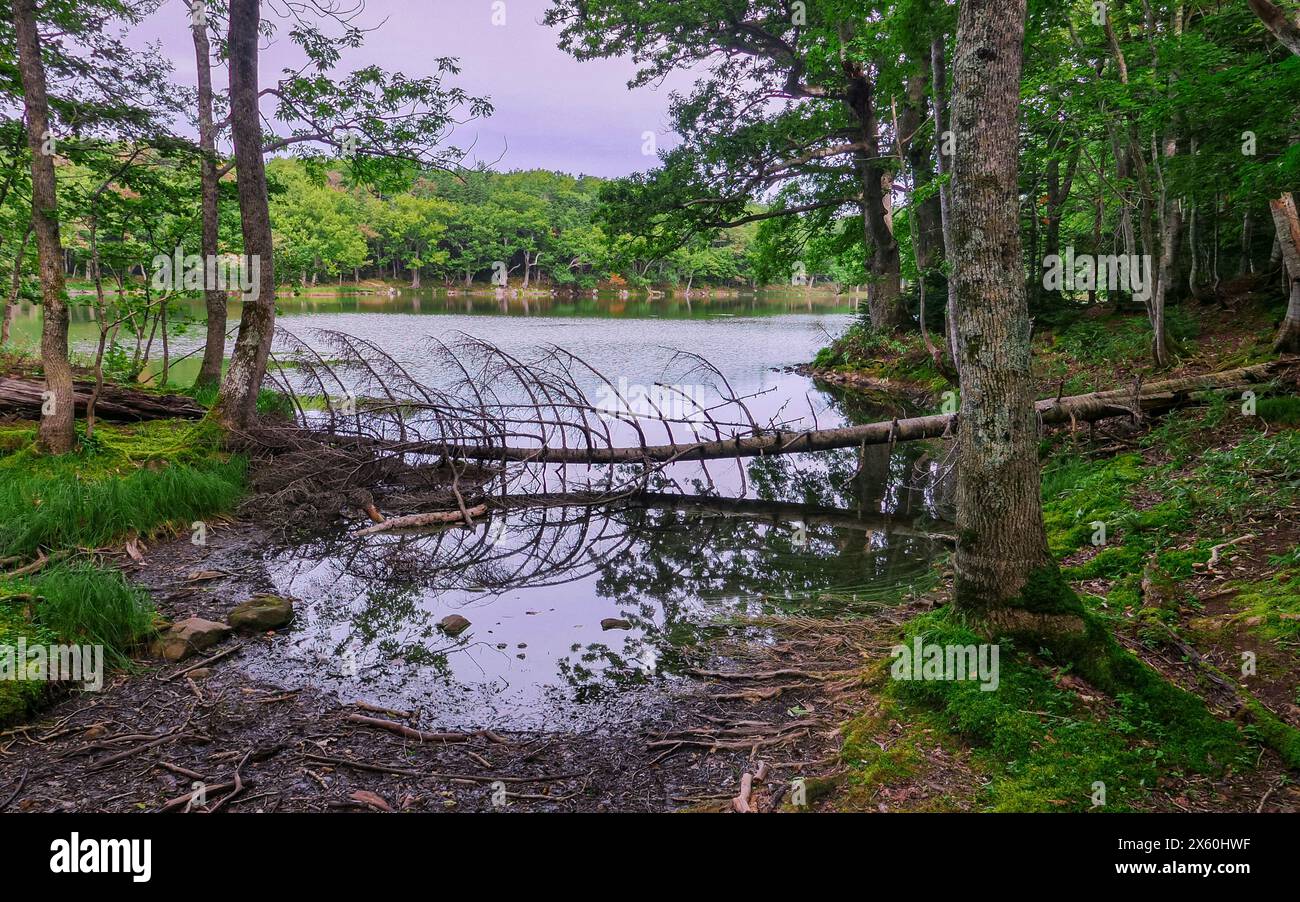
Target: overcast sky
x: 552, y: 112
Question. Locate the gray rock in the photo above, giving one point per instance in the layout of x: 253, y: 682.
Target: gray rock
x: 615, y: 623
x: 262, y: 612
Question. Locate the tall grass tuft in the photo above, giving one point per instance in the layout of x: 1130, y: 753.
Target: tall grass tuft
x: 87, y: 605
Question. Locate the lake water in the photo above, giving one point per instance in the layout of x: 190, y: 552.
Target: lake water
x: 819, y: 534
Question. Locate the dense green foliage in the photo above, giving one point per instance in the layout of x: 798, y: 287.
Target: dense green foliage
x: 537, y: 227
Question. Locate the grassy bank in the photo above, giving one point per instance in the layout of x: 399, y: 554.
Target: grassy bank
x: 1169, y: 736
x: 56, y: 513
x: 1196, y: 573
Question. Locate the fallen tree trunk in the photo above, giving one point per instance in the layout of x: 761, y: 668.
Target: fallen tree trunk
x: 24, y: 397
x: 1154, y: 397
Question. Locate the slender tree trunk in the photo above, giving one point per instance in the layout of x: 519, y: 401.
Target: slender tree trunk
x: 1287, y: 222
x: 237, y: 402
x: 884, y: 291
x: 1247, y: 265
x: 1058, y: 193
x: 939, y: 79
x: 1003, y: 567
x: 1170, y: 238
x: 928, y: 217
x: 1171, y: 227
x: 101, y: 313
x: 11, y: 299
x: 214, y: 348
x: 57, y: 433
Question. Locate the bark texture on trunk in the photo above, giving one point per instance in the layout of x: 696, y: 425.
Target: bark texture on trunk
x: 1001, y: 541
x: 1287, y: 221
x: 237, y: 402
x: 57, y: 433
x: 214, y: 349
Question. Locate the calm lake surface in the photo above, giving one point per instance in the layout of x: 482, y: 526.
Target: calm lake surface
x: 820, y: 534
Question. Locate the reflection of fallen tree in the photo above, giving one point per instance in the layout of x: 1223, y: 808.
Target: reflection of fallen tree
x: 774, y: 513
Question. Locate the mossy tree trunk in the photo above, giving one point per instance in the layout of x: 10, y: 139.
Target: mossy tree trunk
x: 1005, y: 577
x: 57, y: 433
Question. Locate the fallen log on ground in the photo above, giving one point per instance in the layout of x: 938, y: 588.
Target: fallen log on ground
x: 24, y: 397
x: 1154, y: 397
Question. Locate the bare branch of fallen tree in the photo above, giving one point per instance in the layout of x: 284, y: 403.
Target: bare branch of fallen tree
x: 1152, y: 397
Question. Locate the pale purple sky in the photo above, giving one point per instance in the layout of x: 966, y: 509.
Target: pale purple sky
x: 552, y: 111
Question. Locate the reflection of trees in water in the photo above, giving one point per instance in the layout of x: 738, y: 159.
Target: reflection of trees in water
x: 668, y: 564
x: 806, y: 525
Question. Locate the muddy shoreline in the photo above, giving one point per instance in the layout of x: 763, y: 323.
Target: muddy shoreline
x: 153, y: 736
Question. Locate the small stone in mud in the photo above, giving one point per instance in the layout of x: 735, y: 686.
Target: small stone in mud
x: 200, y: 673
x: 189, y: 637
x: 262, y: 612
x: 453, y: 625
x: 615, y: 623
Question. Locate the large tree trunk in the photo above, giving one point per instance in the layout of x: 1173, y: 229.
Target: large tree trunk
x: 57, y: 433
x: 1288, y: 238
x: 214, y: 350
x: 1002, y: 564
x: 237, y: 403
